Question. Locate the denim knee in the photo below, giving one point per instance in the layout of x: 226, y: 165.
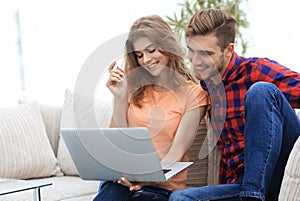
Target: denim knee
x: 260, y: 93
x: 258, y: 88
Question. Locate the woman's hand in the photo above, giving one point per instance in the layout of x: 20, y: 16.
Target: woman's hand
x: 117, y: 82
x: 134, y: 186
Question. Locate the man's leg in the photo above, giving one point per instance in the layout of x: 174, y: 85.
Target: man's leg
x: 272, y: 128
x: 226, y: 192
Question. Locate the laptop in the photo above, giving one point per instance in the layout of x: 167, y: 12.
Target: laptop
x: 110, y: 153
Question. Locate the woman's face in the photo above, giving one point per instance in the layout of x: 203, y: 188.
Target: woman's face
x: 149, y: 57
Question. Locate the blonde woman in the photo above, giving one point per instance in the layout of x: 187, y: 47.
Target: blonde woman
x: 156, y: 90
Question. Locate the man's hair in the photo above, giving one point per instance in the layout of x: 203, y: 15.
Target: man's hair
x: 213, y: 21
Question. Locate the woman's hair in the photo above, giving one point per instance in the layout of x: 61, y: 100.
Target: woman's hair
x: 213, y: 21
x: 164, y: 39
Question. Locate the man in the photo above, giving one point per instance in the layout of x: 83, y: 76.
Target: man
x: 260, y: 126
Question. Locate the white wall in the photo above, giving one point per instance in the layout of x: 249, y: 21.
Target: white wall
x: 274, y: 31
x: 59, y: 35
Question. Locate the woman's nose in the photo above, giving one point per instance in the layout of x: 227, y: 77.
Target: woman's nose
x: 147, y: 58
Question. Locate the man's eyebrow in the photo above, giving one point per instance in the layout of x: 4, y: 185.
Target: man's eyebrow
x: 195, y: 50
x: 200, y: 51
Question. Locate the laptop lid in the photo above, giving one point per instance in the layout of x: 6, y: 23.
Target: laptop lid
x: 109, y: 153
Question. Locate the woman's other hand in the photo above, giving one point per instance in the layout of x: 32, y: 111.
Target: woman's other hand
x: 117, y: 82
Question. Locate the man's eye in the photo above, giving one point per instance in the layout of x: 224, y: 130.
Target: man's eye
x: 203, y: 53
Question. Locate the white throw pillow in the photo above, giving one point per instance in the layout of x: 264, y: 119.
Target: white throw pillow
x: 80, y: 112
x: 51, y: 115
x: 24, y: 146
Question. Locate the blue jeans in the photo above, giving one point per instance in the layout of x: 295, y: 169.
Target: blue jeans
x: 272, y: 128
x: 111, y: 191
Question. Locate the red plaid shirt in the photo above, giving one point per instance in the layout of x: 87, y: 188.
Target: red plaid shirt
x: 240, y: 74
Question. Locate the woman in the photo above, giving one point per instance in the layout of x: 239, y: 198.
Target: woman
x: 157, y: 91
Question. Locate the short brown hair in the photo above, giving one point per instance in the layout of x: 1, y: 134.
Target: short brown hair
x: 213, y: 21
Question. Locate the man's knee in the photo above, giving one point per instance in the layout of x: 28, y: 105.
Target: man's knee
x: 259, y: 92
x: 261, y: 88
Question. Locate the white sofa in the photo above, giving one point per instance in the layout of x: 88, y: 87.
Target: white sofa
x: 32, y: 151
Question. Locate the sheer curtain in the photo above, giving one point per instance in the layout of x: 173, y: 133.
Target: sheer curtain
x: 10, y: 85
x: 59, y: 36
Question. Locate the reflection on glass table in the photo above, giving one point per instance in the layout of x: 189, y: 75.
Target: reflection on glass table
x: 7, y: 186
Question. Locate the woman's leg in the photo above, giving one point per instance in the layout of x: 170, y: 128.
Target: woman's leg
x: 112, y: 191
x: 151, y: 193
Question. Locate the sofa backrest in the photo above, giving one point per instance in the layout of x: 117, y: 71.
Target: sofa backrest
x: 198, y: 172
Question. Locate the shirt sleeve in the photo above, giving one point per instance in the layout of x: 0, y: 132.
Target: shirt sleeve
x: 196, y: 97
x: 286, y: 80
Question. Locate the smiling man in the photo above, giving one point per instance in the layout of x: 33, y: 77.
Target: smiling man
x: 260, y: 126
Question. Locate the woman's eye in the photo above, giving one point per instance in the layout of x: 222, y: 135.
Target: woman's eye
x: 152, y: 50
x: 139, y: 56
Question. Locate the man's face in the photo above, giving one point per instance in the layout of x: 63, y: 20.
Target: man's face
x: 206, y: 56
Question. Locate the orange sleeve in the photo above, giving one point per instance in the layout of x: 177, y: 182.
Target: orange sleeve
x: 196, y: 97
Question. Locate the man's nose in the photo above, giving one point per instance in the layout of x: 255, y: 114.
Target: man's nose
x: 196, y: 60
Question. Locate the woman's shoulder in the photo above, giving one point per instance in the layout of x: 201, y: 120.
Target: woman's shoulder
x: 191, y: 85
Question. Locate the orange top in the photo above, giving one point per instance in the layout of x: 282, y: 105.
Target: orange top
x: 161, y: 113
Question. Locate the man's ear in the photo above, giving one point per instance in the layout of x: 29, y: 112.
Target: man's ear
x: 229, y: 49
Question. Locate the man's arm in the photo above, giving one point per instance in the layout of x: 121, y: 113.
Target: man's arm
x: 286, y: 80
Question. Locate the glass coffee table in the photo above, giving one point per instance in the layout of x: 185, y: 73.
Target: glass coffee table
x: 9, y: 186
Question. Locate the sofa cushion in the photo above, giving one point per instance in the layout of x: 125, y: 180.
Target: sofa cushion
x: 81, y: 112
x: 25, y: 149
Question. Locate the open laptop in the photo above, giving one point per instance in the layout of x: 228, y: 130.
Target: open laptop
x: 110, y: 153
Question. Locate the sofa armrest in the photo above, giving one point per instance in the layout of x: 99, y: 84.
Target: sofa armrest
x: 290, y: 187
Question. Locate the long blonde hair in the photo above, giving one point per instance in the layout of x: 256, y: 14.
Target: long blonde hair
x: 160, y: 33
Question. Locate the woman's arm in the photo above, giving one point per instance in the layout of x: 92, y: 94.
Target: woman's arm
x: 185, y: 134
x: 119, y: 116
x: 117, y: 84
